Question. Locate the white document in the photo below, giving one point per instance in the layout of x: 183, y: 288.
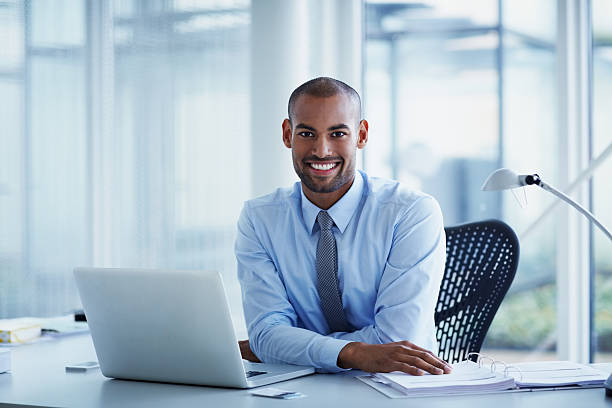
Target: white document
x: 555, y: 374
x: 466, y: 378
x: 62, y: 326
x: 471, y: 378
x: 276, y: 393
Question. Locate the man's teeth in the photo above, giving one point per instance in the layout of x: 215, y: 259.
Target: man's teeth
x: 319, y: 166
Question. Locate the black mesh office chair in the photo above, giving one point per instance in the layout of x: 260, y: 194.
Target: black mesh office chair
x: 481, y: 261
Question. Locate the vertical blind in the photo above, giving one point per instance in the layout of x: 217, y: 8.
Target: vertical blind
x: 124, y: 142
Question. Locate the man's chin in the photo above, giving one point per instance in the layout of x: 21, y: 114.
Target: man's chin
x: 324, y: 189
x: 317, y: 186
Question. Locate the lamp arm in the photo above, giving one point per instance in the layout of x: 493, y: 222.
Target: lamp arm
x: 574, y: 204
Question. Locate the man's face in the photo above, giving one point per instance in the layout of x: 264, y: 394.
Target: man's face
x: 324, y: 134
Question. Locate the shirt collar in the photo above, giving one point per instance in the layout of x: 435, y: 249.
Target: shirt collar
x: 341, y: 212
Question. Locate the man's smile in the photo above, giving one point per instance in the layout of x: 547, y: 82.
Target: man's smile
x: 323, y: 167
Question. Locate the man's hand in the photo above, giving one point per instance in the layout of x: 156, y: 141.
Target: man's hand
x: 384, y: 358
x: 246, y: 352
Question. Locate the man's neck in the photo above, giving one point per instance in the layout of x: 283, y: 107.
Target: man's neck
x: 325, y: 200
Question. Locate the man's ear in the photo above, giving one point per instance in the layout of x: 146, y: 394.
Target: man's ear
x: 287, y: 133
x: 362, y: 137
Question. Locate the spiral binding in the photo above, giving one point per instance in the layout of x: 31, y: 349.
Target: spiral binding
x: 508, y: 368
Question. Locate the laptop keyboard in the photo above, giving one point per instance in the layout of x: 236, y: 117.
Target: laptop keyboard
x: 250, y: 374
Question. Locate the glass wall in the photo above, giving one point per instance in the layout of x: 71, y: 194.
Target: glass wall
x: 453, y: 91
x: 456, y: 89
x: 524, y: 327
x: 431, y: 96
x: 126, y: 146
x: 43, y: 204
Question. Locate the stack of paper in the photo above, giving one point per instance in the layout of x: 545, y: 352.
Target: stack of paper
x: 62, y: 326
x: 554, y: 374
x: 470, y: 378
x: 467, y: 378
x: 15, y: 331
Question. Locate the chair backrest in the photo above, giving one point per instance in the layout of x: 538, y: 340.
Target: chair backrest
x: 481, y: 261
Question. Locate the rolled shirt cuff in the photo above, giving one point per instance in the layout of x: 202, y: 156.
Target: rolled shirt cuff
x: 328, y: 352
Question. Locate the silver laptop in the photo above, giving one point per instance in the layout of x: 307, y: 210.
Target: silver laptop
x: 168, y: 326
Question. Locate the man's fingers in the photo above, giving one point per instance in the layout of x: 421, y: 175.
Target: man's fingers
x: 400, y: 356
x: 414, y: 346
x: 405, y: 368
x: 440, y: 362
x: 246, y: 352
x: 428, y: 357
x: 419, y: 363
x: 434, y: 360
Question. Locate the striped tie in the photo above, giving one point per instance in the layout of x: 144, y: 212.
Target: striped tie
x: 327, y: 277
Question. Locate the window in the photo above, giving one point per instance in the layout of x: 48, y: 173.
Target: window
x: 464, y: 87
x: 125, y: 142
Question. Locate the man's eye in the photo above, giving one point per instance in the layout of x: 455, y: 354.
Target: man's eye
x: 338, y: 134
x: 306, y: 134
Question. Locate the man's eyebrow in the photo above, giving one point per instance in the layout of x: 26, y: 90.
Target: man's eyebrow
x: 336, y: 127
x: 303, y: 126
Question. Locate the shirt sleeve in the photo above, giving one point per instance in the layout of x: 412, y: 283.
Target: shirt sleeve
x: 270, y: 317
x: 408, y: 291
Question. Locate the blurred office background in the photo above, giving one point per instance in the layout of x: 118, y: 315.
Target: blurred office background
x: 131, y: 132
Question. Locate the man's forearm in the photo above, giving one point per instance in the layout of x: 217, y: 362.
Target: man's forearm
x: 347, y: 356
x: 368, y: 334
x: 286, y: 344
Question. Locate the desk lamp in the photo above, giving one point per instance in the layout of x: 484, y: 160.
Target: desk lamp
x: 504, y: 179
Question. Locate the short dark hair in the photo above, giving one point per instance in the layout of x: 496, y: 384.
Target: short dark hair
x: 323, y: 87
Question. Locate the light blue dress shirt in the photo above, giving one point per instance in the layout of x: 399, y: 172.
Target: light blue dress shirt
x: 391, y: 253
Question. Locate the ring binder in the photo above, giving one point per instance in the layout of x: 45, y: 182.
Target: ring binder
x: 508, y: 368
x: 486, y: 374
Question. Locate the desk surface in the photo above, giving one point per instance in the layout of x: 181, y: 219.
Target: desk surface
x: 38, y: 378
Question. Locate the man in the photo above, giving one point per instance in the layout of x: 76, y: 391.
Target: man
x: 342, y: 270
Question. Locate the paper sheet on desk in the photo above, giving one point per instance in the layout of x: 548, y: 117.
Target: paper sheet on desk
x: 555, y: 374
x: 466, y: 377
x: 62, y: 326
x: 461, y: 372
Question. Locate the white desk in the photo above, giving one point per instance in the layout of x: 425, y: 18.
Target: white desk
x: 38, y: 378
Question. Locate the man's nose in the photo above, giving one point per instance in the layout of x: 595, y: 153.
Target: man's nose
x: 322, y: 147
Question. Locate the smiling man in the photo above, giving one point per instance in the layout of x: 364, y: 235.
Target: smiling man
x: 342, y: 270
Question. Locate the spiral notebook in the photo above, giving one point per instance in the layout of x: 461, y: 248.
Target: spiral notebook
x: 485, y: 376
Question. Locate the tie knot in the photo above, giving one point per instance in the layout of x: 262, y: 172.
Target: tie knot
x: 324, y: 220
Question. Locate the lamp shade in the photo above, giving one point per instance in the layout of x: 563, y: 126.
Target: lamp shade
x: 503, y: 179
